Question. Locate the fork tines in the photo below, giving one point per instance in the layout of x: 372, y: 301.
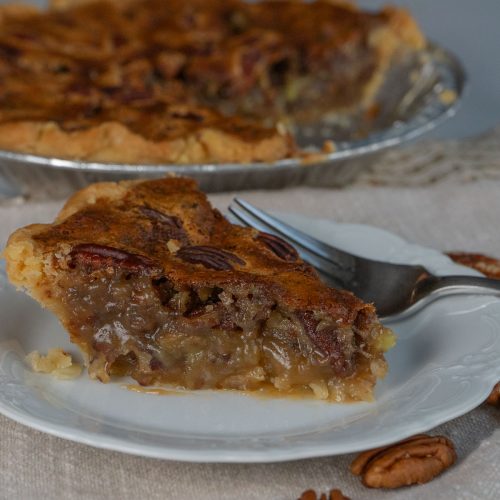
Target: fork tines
x: 329, y: 261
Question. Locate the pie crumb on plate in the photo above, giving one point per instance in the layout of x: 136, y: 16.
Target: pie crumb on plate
x: 57, y: 363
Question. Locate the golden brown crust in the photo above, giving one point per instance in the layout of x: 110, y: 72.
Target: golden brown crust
x: 16, y: 10
x: 67, y: 4
x: 112, y: 142
x: 109, y: 91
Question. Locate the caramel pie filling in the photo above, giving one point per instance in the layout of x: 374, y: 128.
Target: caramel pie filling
x: 216, y: 338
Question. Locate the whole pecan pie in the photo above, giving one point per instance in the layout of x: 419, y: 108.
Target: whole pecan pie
x: 186, y: 81
x: 152, y: 282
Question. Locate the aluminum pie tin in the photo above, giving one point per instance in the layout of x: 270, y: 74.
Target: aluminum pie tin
x: 415, y: 98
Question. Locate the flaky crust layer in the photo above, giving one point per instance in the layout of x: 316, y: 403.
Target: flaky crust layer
x: 112, y: 142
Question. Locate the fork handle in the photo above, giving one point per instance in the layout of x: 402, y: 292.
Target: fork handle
x: 435, y: 287
x: 432, y: 288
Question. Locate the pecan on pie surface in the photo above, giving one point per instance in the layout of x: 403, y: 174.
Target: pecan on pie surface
x: 188, y: 81
x: 150, y: 281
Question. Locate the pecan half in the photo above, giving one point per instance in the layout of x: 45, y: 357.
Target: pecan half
x: 332, y: 495
x: 489, y: 266
x: 330, y: 340
x: 94, y: 256
x: 210, y: 257
x: 278, y: 246
x: 494, y: 397
x: 337, y: 495
x: 415, y: 460
x: 165, y: 227
x: 156, y: 215
x: 309, y: 495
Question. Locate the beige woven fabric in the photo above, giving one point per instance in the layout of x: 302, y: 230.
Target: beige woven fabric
x: 447, y: 216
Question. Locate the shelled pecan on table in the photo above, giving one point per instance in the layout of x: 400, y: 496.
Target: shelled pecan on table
x: 332, y: 495
x: 415, y: 460
x: 489, y: 266
x: 494, y: 397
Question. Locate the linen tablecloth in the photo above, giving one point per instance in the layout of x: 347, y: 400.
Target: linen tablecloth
x: 460, y: 212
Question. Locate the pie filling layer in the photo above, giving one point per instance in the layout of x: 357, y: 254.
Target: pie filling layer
x: 236, y: 337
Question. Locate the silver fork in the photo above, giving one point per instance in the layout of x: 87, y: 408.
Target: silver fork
x: 397, y: 290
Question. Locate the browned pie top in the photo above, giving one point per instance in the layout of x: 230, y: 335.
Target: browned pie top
x: 134, y: 61
x: 167, y: 228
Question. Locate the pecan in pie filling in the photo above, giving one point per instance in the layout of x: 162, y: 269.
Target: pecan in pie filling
x: 150, y: 281
x: 186, y: 81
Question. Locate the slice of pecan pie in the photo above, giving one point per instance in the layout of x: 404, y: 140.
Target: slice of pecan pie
x: 152, y: 282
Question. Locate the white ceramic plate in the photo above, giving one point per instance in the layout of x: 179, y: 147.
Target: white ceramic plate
x: 445, y: 363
